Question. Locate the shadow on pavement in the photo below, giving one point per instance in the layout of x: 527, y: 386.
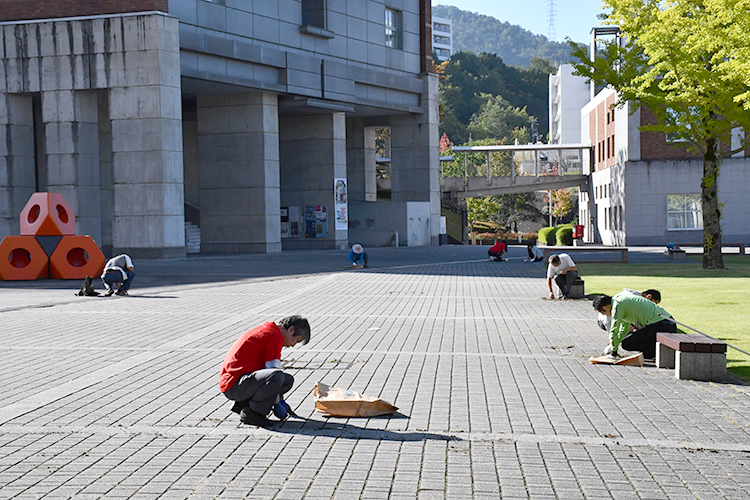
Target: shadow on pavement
x: 349, y: 431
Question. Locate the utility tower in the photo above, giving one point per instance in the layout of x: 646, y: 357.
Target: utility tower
x: 551, y: 15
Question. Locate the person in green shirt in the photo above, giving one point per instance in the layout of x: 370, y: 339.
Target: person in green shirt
x: 628, y: 309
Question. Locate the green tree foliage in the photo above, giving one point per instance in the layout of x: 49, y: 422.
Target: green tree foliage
x: 562, y: 202
x: 687, y: 61
x: 514, y: 208
x: 469, y: 78
x: 517, y: 46
x: 497, y: 119
x: 481, y: 213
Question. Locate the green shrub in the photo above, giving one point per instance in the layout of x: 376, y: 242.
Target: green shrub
x: 564, y: 236
x: 547, y: 235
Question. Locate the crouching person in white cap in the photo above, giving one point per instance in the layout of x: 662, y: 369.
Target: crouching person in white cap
x: 358, y: 256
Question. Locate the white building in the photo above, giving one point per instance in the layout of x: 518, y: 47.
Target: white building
x: 568, y: 93
x: 442, y: 38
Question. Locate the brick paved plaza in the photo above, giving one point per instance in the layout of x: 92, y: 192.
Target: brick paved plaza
x: 118, y: 397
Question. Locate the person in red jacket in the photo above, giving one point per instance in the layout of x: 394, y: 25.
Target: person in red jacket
x: 251, y: 374
x: 498, y: 251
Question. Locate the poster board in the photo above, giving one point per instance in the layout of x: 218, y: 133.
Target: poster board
x: 316, y: 221
x: 340, y: 205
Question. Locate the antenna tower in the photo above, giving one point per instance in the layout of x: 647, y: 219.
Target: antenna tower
x: 551, y: 17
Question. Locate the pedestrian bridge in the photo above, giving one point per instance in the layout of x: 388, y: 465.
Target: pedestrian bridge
x: 496, y: 170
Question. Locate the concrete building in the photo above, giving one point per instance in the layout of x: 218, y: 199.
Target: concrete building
x: 442, y: 38
x: 253, y: 120
x: 645, y: 189
x: 568, y: 93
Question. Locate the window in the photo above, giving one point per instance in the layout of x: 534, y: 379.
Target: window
x: 442, y: 53
x: 392, y: 28
x: 314, y: 13
x: 443, y: 28
x: 684, y: 211
x: 444, y: 40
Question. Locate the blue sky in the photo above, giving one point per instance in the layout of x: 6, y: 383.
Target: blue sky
x: 574, y: 18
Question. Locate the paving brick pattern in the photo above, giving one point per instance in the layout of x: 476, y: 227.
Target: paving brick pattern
x: 118, y: 397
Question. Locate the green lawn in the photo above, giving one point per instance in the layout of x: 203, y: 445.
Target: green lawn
x: 716, y: 302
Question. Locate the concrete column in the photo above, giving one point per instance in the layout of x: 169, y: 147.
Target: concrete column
x: 145, y: 111
x: 313, y: 153
x: 360, y: 160
x: 238, y: 156
x: 17, y: 167
x: 105, y: 173
x: 415, y: 159
x: 71, y: 146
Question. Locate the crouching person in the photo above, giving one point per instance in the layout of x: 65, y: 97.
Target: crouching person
x: 251, y: 374
x: 627, y: 309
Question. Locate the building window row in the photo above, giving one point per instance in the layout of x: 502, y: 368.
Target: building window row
x: 602, y: 191
x: 315, y: 15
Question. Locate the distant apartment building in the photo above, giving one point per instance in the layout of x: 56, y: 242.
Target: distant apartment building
x: 568, y: 93
x: 442, y: 38
x: 255, y: 121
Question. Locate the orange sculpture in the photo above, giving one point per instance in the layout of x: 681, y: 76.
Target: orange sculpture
x: 21, y: 258
x: 58, y: 252
x: 75, y: 258
x: 47, y: 214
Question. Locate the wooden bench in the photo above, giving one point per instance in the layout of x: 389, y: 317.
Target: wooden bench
x: 623, y: 251
x: 693, y: 357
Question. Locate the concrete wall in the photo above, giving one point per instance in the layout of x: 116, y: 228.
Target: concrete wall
x: 647, y: 184
x: 135, y: 59
x: 360, y: 160
x: 17, y: 169
x: 238, y: 155
x: 355, y: 30
x: 415, y: 157
x: 313, y: 153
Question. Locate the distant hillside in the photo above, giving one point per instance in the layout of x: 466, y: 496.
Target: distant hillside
x: 515, y: 45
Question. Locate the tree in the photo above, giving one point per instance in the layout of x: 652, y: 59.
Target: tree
x: 481, y: 211
x: 562, y: 202
x: 514, y: 208
x: 687, y: 61
x: 498, y: 119
x: 466, y: 79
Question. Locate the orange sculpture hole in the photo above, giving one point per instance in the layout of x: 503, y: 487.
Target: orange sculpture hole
x: 19, y: 258
x: 34, y: 213
x: 62, y: 214
x: 78, y: 257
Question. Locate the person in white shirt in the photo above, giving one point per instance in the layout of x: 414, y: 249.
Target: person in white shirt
x: 563, y: 270
x: 535, y: 253
x: 118, y: 275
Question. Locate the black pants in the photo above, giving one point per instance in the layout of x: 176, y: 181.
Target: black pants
x: 644, y: 340
x: 564, y: 281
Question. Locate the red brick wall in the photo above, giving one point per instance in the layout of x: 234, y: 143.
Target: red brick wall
x: 602, y: 134
x: 19, y: 10
x: 609, y: 130
x: 654, y: 145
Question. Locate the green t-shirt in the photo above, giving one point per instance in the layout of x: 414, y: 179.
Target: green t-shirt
x: 629, y: 309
